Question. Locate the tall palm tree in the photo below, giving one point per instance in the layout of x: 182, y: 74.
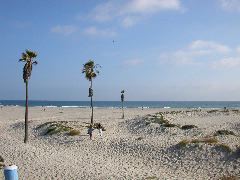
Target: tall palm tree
x: 122, y: 100
x: 90, y: 69
x: 27, y: 58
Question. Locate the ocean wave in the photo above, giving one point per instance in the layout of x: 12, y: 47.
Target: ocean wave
x: 75, y: 106
x: 50, y: 106
x: 143, y: 107
x: 166, y: 107
x: 106, y: 107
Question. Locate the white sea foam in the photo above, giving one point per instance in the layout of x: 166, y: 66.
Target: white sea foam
x: 166, y: 107
x: 70, y: 106
x: 143, y: 107
x: 50, y: 106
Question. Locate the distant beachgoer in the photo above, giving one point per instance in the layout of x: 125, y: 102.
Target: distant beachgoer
x: 100, y: 129
x: 90, y: 131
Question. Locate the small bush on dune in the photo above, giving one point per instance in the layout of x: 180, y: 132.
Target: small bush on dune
x: 159, y: 120
x: 224, y: 132
x: 170, y: 125
x: 205, y: 140
x: 44, y: 124
x: 147, y: 123
x: 1, y: 159
x: 57, y: 128
x: 1, y: 162
x: 183, y: 143
x: 74, y: 132
x: 139, y: 138
x: 151, y: 177
x: 238, y: 151
x: 185, y: 127
x: 224, y: 147
x: 235, y: 110
x: 212, y: 111
x: 229, y: 177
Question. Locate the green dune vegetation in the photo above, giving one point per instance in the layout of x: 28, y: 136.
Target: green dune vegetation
x: 51, y: 128
x: 160, y: 119
x: 1, y: 162
x: 69, y: 128
x: 224, y: 132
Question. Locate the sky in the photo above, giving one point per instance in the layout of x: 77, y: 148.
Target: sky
x: 156, y: 50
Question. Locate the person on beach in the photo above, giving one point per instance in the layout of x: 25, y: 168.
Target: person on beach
x: 100, y: 129
x: 90, y: 131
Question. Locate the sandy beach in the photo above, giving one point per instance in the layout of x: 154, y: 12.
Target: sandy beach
x: 144, y: 145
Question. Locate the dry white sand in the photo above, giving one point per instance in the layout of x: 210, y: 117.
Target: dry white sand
x: 129, y: 149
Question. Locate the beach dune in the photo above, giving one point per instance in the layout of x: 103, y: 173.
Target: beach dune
x: 144, y: 145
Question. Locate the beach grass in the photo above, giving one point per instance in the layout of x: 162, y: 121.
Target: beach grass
x: 224, y: 132
x: 224, y: 147
x: 151, y: 177
x: 139, y: 138
x: 57, y: 128
x: 185, y: 142
x: 186, y: 127
x: 228, y: 177
x: 1, y: 162
x: 74, y: 132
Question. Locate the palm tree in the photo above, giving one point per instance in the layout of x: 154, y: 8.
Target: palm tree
x: 27, y: 58
x: 90, y: 69
x: 122, y: 99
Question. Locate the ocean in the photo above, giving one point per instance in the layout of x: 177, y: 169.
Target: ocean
x: 127, y: 104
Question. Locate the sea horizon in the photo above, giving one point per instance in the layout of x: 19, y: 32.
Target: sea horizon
x: 127, y: 104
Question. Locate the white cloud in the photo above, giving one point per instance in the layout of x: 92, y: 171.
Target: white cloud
x: 104, y: 12
x: 238, y: 50
x: 229, y: 62
x: 129, y: 21
x: 194, y: 52
x: 208, y: 53
x: 151, y: 6
x: 129, y: 11
x: 93, y: 31
x: 209, y: 46
x: 230, y: 5
x: 64, y: 29
x: 133, y: 62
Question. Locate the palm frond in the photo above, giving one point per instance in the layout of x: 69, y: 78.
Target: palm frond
x: 22, y: 60
x: 90, y: 70
x: 31, y: 54
x: 35, y: 62
x: 27, y: 57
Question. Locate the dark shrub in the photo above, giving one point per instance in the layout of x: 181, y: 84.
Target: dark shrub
x: 223, y: 132
x: 185, y: 127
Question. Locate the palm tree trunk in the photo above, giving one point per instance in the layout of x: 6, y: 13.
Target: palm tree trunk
x: 122, y: 111
x: 26, y: 114
x: 91, y: 105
